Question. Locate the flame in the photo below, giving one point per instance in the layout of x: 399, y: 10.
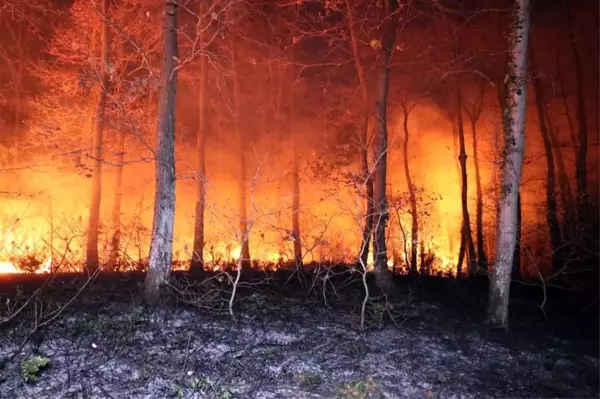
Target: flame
x: 46, y: 225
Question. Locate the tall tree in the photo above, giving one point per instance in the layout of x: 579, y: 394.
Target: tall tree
x: 474, y: 113
x: 92, y: 261
x: 412, y: 197
x: 363, y: 137
x: 115, y: 242
x: 514, y: 146
x: 242, y: 177
x: 197, y: 262
x: 295, y: 183
x: 582, y: 131
x: 380, y: 208
x: 551, y: 207
x: 161, y: 244
x: 466, y: 236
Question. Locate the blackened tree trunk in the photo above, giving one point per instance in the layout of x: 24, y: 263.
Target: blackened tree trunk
x: 414, y: 236
x: 161, y: 243
x: 241, y: 135
x: 197, y: 262
x: 92, y: 261
x: 462, y: 158
x: 514, y: 146
x: 474, y: 114
x: 516, y: 266
x: 380, y: 209
x: 115, y: 242
x: 551, y: 207
x: 581, y: 161
x: 295, y: 185
x: 363, y: 141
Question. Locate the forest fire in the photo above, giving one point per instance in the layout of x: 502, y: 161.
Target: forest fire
x: 48, y: 220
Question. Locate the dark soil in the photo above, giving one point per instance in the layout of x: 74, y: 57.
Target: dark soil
x: 291, y: 341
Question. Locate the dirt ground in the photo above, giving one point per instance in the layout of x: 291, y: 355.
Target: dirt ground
x: 293, y: 342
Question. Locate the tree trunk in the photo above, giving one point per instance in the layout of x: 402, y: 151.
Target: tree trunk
x: 241, y: 135
x: 380, y: 211
x: 115, y: 242
x: 581, y: 161
x: 414, y: 236
x: 474, y: 115
x: 514, y: 146
x: 462, y: 158
x: 295, y: 185
x: 363, y: 142
x: 161, y: 243
x: 92, y: 262
x: 516, y: 266
x: 197, y: 263
x: 551, y: 208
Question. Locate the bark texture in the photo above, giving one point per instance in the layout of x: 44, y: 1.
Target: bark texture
x: 161, y: 243
x: 115, y: 242
x: 467, y: 237
x: 197, y: 262
x: 514, y: 140
x: 414, y: 235
x: 551, y: 206
x: 92, y: 260
x: 365, y: 173
x: 380, y: 211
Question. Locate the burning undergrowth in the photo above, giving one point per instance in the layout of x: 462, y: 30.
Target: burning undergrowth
x: 291, y: 337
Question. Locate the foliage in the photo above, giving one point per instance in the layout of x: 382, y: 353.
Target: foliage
x: 366, y: 388
x: 32, y: 366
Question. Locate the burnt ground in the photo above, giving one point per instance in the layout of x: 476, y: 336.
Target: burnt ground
x: 428, y: 343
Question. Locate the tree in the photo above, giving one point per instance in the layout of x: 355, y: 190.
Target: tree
x: 582, y: 132
x: 551, y: 207
x: 197, y: 262
x: 380, y: 206
x: 363, y: 138
x: 466, y: 238
x: 474, y: 113
x: 161, y: 244
x: 514, y: 140
x: 92, y: 261
x: 406, y: 109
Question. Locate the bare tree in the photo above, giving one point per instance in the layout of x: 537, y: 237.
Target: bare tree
x: 197, y: 262
x: 92, y: 261
x: 466, y: 241
x: 161, y: 244
x: 242, y: 178
x: 380, y: 209
x: 582, y: 132
x: 514, y: 145
x: 406, y: 109
x: 363, y: 137
x: 551, y: 207
x: 474, y: 113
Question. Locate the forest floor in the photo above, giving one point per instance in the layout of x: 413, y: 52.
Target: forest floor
x: 428, y: 343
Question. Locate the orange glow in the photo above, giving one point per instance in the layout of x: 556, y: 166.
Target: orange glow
x: 47, y: 221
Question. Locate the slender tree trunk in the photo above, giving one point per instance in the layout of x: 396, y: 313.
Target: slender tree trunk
x: 514, y: 146
x: 412, y: 195
x: 462, y: 158
x: 241, y: 135
x: 516, y: 266
x: 295, y: 185
x: 363, y: 138
x: 380, y: 211
x: 474, y: 115
x: 551, y: 208
x: 115, y: 242
x: 161, y: 243
x: 92, y: 262
x: 581, y: 161
x: 197, y: 263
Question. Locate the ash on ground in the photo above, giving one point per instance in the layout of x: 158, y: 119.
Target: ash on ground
x: 428, y: 343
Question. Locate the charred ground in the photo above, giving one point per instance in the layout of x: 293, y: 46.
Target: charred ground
x: 292, y: 338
